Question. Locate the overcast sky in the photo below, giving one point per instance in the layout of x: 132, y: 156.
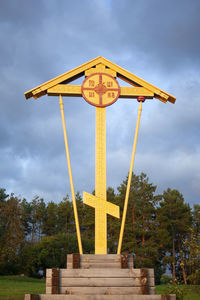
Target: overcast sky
x: 158, y: 41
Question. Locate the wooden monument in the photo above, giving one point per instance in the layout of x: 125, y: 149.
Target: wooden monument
x: 102, y: 275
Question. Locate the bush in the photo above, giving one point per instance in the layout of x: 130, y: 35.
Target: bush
x: 165, y: 279
x: 50, y: 252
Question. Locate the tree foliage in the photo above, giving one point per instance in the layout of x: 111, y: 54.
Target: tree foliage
x: 161, y: 231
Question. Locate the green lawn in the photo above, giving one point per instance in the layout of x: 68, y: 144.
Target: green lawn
x: 190, y: 292
x: 14, y: 288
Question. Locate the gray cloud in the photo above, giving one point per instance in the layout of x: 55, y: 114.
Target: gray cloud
x: 155, y: 40
x: 165, y: 33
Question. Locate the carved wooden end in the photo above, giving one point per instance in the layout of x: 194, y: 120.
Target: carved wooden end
x: 124, y: 261
x: 75, y: 261
x: 144, y: 281
x: 55, y: 281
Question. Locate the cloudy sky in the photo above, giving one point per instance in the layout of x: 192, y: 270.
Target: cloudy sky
x: 155, y: 40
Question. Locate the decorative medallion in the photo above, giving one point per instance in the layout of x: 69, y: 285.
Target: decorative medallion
x: 100, y: 89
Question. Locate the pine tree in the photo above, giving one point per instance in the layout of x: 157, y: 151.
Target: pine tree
x: 50, y: 224
x: 173, y: 222
x: 140, y: 220
x: 113, y: 223
x: 13, y: 238
x: 65, y: 216
x: 192, y: 246
x: 193, y: 261
x: 88, y: 222
x: 3, y: 197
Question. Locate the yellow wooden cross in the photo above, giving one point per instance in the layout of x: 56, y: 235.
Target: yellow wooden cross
x: 100, y: 89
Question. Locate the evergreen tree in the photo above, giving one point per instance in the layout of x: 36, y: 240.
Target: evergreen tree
x: 13, y: 237
x: 192, y: 246
x: 65, y: 216
x: 173, y: 222
x: 140, y: 220
x: 3, y: 195
x: 113, y: 223
x: 87, y: 222
x: 193, y: 262
x: 196, y: 218
x: 50, y: 223
x: 81, y: 211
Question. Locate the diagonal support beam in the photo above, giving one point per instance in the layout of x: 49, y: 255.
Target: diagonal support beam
x: 97, y: 203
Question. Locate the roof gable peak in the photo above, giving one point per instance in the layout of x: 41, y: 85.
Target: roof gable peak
x: 88, y: 67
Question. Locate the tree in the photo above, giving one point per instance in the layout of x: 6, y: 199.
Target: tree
x: 192, y: 246
x: 50, y: 252
x: 173, y: 222
x: 87, y: 222
x: 140, y: 220
x: 13, y: 237
x: 3, y: 195
x: 113, y: 223
x: 193, y: 262
x: 50, y: 224
x: 26, y: 217
x: 65, y: 216
x: 34, y: 213
x: 196, y: 218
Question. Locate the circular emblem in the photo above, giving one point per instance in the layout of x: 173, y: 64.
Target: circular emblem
x: 100, y: 89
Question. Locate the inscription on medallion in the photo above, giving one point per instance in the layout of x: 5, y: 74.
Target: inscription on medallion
x: 100, y: 89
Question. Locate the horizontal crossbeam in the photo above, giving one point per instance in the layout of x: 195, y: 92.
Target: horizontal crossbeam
x: 104, y: 206
x: 75, y: 91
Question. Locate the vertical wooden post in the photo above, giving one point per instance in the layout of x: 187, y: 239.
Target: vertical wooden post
x: 55, y: 281
x: 124, y: 261
x: 100, y: 181
x: 144, y: 280
x: 75, y: 261
x: 165, y: 297
x: 31, y: 297
x: 34, y: 297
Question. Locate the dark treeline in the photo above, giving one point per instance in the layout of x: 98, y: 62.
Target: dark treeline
x: 161, y: 231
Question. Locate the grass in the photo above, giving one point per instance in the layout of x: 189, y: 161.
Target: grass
x: 15, y: 287
x: 189, y: 292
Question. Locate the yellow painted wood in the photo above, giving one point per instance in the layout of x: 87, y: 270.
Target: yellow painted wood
x: 70, y: 178
x: 134, y: 92
x: 58, y: 86
x: 105, y: 206
x: 75, y: 91
x: 65, y: 90
x: 100, y: 154
x: 79, y: 71
x: 65, y: 76
x: 99, y: 201
x: 100, y: 68
x: 138, y: 80
x: 129, y: 180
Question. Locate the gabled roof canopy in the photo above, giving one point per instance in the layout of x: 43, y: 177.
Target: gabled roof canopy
x: 151, y: 90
